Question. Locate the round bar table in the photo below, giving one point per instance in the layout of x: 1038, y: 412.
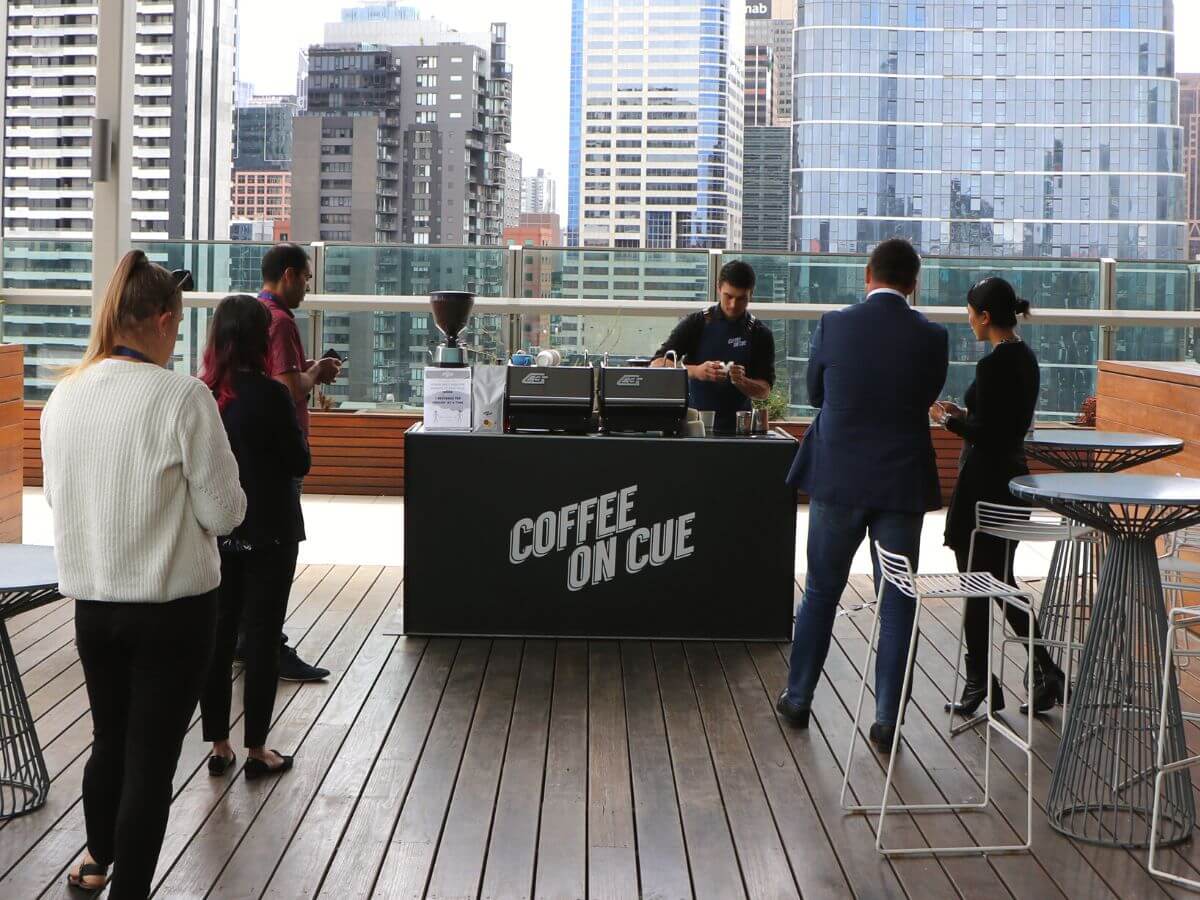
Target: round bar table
x: 1082, y: 450
x: 1070, y: 580
x: 28, y: 579
x: 1102, y: 788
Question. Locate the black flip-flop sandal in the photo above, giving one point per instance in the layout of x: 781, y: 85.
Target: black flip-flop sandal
x: 88, y: 870
x: 219, y: 765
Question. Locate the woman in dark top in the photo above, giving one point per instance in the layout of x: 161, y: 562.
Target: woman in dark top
x: 1000, y: 405
x: 258, y: 560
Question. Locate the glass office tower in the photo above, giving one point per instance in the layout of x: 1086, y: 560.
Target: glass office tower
x: 1019, y: 128
x: 1007, y: 128
x: 656, y: 124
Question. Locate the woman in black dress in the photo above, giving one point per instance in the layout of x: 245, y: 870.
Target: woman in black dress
x: 1000, y: 405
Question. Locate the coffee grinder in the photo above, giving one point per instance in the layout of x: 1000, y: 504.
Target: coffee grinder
x: 451, y: 310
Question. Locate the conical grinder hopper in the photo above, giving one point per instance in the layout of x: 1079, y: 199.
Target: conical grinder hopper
x: 451, y: 310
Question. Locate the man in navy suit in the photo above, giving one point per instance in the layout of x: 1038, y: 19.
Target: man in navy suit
x: 868, y: 467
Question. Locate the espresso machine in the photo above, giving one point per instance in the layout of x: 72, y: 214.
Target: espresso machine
x: 451, y: 311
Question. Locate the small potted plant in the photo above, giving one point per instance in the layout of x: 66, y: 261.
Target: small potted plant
x: 772, y: 408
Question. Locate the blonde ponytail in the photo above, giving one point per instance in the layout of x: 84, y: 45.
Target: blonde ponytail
x: 137, y: 291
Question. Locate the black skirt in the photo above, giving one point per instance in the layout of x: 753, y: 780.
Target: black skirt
x: 981, y: 476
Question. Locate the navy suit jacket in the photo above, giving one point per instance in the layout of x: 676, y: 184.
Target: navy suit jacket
x: 873, y: 371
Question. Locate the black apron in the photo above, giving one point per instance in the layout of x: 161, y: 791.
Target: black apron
x: 721, y: 341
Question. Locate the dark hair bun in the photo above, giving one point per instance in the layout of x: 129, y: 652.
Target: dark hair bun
x: 996, y: 297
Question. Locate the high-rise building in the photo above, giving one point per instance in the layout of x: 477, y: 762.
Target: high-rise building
x: 183, y: 85
x: 1189, y: 121
x: 656, y: 124
x: 262, y: 136
x: 262, y: 163
x: 764, y: 195
x: 427, y: 122
x: 539, y: 193
x: 1033, y: 129
x: 512, y: 190
x: 768, y: 66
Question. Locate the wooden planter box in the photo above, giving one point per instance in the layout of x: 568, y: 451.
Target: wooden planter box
x: 12, y: 389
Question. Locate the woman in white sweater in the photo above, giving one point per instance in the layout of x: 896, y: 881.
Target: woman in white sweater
x: 141, y: 480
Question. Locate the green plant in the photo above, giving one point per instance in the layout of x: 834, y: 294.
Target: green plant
x: 776, y: 405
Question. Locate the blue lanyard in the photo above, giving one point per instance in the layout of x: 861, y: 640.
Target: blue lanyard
x: 130, y: 353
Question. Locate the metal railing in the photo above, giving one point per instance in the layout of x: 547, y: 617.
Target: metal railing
x: 618, y: 300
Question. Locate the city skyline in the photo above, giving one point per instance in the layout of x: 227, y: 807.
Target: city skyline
x: 539, y: 35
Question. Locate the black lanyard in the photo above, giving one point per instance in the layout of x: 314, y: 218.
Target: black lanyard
x: 130, y: 353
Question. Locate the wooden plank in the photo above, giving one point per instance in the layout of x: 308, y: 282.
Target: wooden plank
x: 214, y: 845
x: 716, y: 871
x: 410, y: 854
x: 662, y: 855
x: 512, y: 848
x: 1120, y: 872
x: 870, y: 875
x: 562, y: 841
x: 12, y: 413
x: 813, y: 860
x: 765, y: 868
x: 315, y: 727
x: 820, y: 749
x: 1175, y: 373
x: 463, y: 845
x: 364, y: 841
x: 315, y: 841
x: 612, y: 852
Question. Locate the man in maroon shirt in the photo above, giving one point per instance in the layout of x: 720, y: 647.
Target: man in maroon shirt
x: 286, y: 272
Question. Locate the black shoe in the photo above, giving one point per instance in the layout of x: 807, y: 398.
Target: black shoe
x: 219, y: 765
x: 1049, y: 690
x: 973, y: 694
x: 882, y: 737
x: 256, y: 768
x: 293, y: 668
x: 791, y: 713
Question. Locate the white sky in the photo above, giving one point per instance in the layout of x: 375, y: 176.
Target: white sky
x: 539, y: 36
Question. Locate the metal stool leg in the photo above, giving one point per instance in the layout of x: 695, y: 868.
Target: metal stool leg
x: 1179, y: 618
x: 24, y: 781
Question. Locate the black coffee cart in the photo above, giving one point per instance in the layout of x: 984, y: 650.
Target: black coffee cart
x: 598, y: 535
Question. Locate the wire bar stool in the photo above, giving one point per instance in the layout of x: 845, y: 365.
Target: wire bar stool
x: 1181, y: 618
x: 897, y: 570
x: 1068, y: 590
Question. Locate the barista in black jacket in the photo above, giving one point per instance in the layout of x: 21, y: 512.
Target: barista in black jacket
x: 729, y: 354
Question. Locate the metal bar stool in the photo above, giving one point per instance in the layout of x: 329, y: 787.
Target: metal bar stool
x: 1180, y: 576
x: 897, y: 571
x: 1068, y: 587
x: 1180, y: 619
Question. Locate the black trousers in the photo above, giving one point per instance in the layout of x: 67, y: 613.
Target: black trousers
x: 995, y: 556
x: 144, y: 664
x: 255, y: 585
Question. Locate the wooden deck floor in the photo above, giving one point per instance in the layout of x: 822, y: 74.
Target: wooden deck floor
x: 476, y: 768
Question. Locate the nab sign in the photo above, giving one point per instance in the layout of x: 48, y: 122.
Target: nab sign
x: 758, y: 10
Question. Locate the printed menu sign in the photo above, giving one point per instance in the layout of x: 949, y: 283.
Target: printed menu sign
x: 447, y: 399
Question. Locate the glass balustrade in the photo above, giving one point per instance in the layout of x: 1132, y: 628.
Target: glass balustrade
x: 387, y: 349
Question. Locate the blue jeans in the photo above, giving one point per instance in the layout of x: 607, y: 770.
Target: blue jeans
x: 834, y: 535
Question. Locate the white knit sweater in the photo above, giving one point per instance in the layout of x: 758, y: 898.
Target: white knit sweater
x: 140, y: 478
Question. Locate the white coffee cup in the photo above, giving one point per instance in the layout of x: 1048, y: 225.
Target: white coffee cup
x: 549, y: 358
